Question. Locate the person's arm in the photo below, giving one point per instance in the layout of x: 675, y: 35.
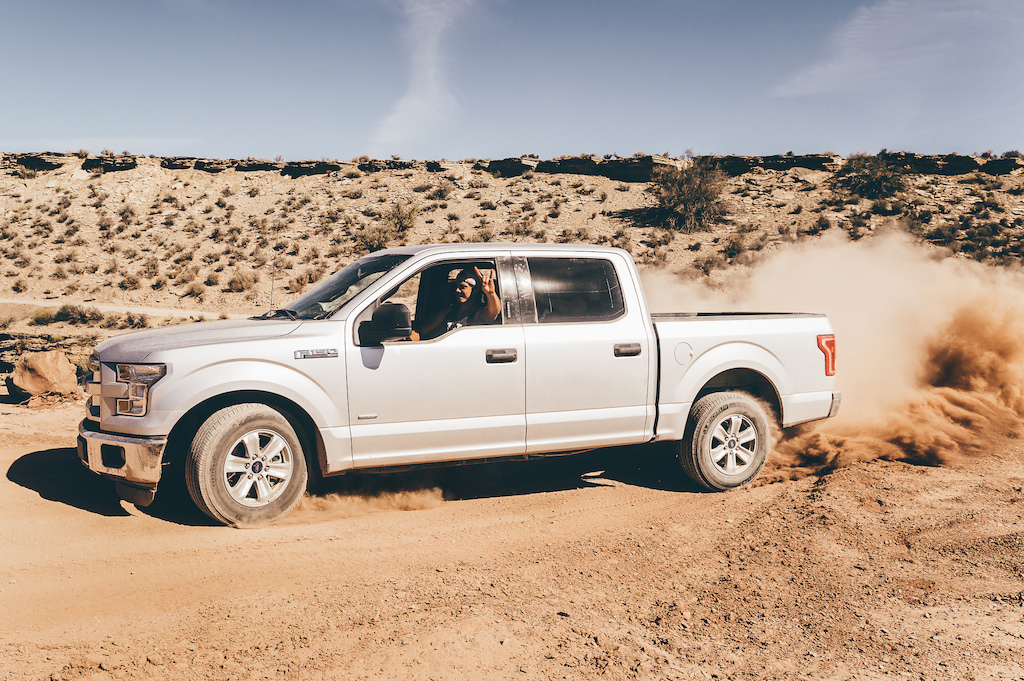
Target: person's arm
x: 427, y: 329
x: 493, y: 303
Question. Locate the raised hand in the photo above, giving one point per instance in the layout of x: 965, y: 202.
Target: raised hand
x: 493, y: 308
x: 486, y: 282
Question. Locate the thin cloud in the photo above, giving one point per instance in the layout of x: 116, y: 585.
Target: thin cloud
x: 428, y: 103
x: 899, y: 45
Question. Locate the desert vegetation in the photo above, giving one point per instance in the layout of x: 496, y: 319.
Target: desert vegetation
x: 222, y: 239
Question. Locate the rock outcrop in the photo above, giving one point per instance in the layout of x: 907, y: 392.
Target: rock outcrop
x: 213, y: 165
x: 740, y: 165
x: 44, y: 372
x: 177, y: 162
x: 300, y: 168
x: 636, y: 169
x: 110, y: 164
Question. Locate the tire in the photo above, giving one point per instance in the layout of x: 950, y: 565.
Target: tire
x: 727, y: 441
x: 246, y: 466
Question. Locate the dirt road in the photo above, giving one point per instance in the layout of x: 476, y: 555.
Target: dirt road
x: 602, y: 565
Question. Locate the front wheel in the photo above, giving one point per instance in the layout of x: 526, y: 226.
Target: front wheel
x: 246, y: 466
x: 727, y: 441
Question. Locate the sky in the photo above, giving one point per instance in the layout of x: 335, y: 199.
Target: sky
x: 454, y: 79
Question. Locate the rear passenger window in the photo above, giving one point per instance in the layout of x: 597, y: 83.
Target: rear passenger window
x: 575, y: 290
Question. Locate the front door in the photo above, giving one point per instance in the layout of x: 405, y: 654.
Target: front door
x: 460, y: 394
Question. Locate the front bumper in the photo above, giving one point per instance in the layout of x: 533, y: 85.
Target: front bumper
x: 130, y: 459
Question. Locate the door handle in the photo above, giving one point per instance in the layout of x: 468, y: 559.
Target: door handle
x: 503, y: 356
x: 627, y: 349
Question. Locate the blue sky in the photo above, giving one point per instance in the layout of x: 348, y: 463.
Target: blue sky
x: 432, y: 79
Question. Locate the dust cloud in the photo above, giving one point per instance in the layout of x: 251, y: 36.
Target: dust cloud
x: 930, y: 349
x: 336, y: 506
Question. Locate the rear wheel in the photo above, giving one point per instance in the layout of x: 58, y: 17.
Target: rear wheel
x: 246, y: 466
x: 727, y: 441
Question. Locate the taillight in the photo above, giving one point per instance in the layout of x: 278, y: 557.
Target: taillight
x: 827, y: 344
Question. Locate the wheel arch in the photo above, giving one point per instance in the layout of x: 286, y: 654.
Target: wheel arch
x: 185, y: 428
x: 747, y: 380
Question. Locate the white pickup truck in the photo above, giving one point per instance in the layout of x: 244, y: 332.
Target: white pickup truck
x: 558, y: 353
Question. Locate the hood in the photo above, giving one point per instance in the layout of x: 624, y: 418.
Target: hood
x: 138, y: 345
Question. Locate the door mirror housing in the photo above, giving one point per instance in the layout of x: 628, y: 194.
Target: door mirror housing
x: 390, y: 322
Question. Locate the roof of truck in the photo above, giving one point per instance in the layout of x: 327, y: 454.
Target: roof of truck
x: 493, y: 245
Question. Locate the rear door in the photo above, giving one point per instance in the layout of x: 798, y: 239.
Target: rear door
x: 588, y: 377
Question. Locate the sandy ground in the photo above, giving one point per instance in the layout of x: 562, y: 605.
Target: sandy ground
x: 602, y: 565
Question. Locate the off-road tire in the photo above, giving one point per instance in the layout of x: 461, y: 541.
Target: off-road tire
x: 246, y: 466
x: 727, y: 440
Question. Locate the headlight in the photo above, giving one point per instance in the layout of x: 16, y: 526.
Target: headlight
x: 139, y: 378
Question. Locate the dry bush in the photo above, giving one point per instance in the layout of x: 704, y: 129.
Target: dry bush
x: 400, y: 217
x: 196, y: 290
x: 871, y: 177
x: 241, y: 281
x: 689, y: 199
x: 372, y: 238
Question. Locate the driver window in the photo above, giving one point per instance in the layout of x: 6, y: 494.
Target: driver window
x: 451, y: 295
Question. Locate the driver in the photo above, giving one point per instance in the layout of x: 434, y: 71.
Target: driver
x: 474, y: 301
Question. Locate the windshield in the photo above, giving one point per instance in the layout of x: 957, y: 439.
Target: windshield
x: 340, y: 288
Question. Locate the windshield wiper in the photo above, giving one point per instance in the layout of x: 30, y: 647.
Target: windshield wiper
x: 282, y: 312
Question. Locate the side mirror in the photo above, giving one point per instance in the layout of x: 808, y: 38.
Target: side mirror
x: 390, y: 322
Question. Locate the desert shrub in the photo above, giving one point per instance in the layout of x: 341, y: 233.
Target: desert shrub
x: 400, y: 217
x: 734, y: 246
x: 76, y: 314
x: 442, y: 191
x: 871, y: 177
x: 72, y: 314
x: 42, y: 317
x: 689, y: 199
x: 133, y: 320
x: 151, y: 267
x: 19, y: 286
x: 372, y: 238
x: 709, y: 263
x: 520, y: 227
x: 887, y: 207
x: 944, y: 234
x: 129, y: 283
x: 195, y: 289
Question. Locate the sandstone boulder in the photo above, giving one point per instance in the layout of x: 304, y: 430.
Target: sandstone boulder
x: 45, y: 372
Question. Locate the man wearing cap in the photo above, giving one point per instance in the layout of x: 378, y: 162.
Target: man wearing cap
x: 474, y: 302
